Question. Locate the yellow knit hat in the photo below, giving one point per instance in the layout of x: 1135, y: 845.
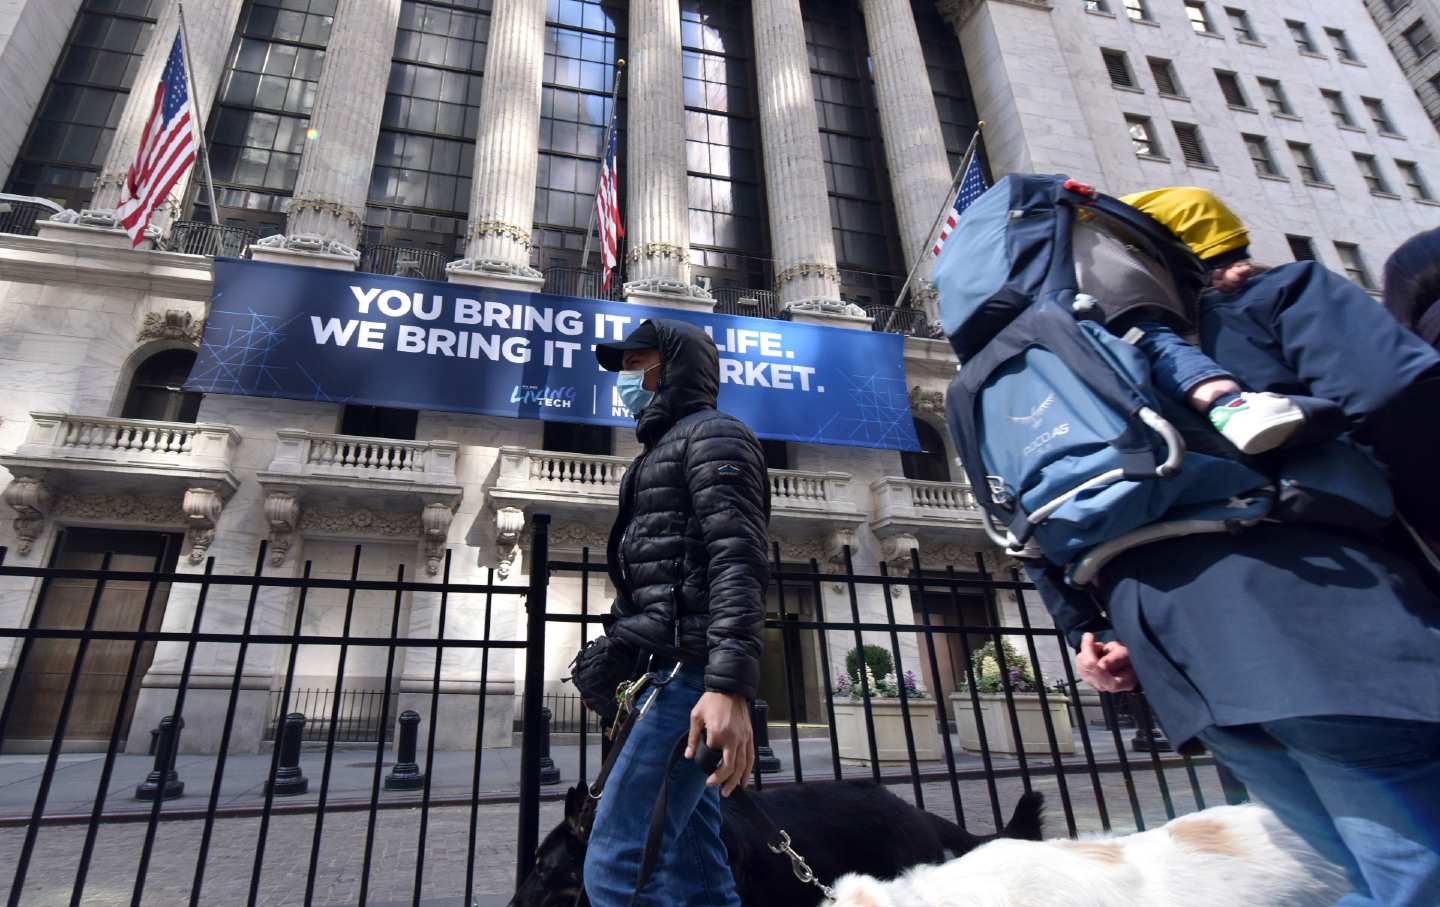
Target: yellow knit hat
x: 1201, y: 220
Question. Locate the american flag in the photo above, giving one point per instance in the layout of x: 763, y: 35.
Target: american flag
x: 167, y: 149
x: 971, y: 187
x: 607, y: 205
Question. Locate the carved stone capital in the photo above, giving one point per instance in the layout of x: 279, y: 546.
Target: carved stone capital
x: 958, y: 12
x: 172, y: 324
x: 660, y: 250
x: 282, y: 512
x: 202, y: 508
x: 495, y: 227
x: 327, y: 206
x: 926, y: 401
x: 807, y: 269
x: 435, y: 522
x: 31, y: 500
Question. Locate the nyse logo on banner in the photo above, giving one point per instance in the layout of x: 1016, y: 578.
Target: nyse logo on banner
x: 349, y: 338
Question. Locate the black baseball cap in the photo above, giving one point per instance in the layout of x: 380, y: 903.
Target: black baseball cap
x: 612, y: 355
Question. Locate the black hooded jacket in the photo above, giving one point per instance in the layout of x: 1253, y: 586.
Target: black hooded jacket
x: 687, y: 553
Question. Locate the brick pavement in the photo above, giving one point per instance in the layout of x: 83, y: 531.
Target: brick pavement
x: 282, y: 882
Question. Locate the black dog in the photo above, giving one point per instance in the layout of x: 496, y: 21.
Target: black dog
x: 838, y: 826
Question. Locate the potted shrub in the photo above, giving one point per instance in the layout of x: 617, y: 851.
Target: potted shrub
x: 848, y: 709
x: 1024, y: 692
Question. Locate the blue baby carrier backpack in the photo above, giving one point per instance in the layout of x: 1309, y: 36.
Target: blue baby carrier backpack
x: 1072, y: 453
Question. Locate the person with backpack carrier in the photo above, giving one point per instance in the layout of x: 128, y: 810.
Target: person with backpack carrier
x: 687, y: 557
x: 1259, y: 600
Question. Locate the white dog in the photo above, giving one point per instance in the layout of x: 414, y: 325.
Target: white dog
x: 1229, y: 856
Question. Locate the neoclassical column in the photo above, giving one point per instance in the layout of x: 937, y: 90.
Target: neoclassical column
x: 327, y: 209
x: 800, y: 236
x: 657, y: 224
x: 914, y: 145
x: 507, y: 149
x: 211, y: 26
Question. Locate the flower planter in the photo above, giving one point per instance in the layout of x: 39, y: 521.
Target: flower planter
x: 1000, y: 732
x: 850, y: 731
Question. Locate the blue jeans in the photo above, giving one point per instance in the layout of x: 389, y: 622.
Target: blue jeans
x: 1176, y: 364
x: 1364, y: 792
x: 694, y: 868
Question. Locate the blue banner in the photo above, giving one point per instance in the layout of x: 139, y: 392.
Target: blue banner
x: 278, y: 330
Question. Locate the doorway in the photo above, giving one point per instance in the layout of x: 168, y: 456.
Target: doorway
x: 64, y: 603
x: 789, y: 681
x: 952, y: 649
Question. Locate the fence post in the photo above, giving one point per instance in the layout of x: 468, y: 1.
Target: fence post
x: 1148, y: 738
x: 549, y: 773
x: 406, y: 773
x: 766, y: 762
x: 535, y: 602
x: 163, y: 783
x: 289, y: 781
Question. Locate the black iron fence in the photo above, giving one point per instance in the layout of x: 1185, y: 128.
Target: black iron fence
x: 402, y: 261
x: 19, y: 217
x: 193, y: 237
x: 958, y: 728
x: 745, y: 301
x: 356, y: 714
x: 586, y: 284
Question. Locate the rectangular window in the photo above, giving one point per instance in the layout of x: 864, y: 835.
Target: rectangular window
x: 1414, y: 181
x: 1370, y: 169
x: 1187, y: 135
x: 1274, y: 94
x: 1199, y: 17
x: 1306, y: 163
x: 1119, y: 68
x: 1396, y: 5
x: 1097, y: 6
x: 1354, y: 264
x: 1375, y: 109
x: 1259, y: 148
x: 1301, y: 247
x: 1231, y: 89
x: 1420, y: 39
x: 1165, y: 81
x: 1341, y: 43
x: 1240, y: 23
x: 1338, y: 108
x: 1138, y: 10
x: 1301, y: 33
x: 1142, y: 135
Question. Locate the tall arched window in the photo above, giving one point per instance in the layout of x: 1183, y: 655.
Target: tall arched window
x: 929, y: 463
x: 157, y: 390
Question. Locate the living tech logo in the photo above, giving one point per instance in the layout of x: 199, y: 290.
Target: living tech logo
x: 544, y: 395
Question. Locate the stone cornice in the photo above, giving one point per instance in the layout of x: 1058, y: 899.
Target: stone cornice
x: 32, y: 259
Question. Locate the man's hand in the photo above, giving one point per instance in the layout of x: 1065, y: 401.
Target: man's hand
x: 1105, y: 665
x: 725, y: 720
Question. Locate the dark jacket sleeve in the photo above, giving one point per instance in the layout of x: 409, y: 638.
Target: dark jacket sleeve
x: 1075, y: 611
x: 729, y: 490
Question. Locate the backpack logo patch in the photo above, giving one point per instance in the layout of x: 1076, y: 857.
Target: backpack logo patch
x: 1033, y: 420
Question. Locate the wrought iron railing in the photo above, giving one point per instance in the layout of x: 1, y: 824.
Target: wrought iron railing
x: 744, y: 301
x: 585, y: 284
x: 402, y: 261
x: 895, y: 320
x: 193, y: 237
x: 19, y: 217
x: 356, y: 715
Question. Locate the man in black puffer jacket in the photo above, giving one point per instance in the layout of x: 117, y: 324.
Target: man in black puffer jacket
x: 687, y: 557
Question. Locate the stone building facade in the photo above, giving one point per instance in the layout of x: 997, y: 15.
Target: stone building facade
x: 778, y: 157
x: 1411, y: 29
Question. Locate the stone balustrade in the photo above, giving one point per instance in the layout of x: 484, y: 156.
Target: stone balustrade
x: 312, y: 454
x: 128, y: 442
x: 942, y: 511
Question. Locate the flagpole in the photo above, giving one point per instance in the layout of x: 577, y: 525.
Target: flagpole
x: 199, y: 118
x: 604, y: 155
x: 949, y: 196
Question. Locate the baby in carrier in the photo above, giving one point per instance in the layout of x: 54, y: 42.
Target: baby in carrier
x: 1253, y: 422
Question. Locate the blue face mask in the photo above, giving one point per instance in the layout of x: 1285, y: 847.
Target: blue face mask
x: 632, y: 390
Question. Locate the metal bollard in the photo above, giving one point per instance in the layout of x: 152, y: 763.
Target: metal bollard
x: 406, y: 773
x: 288, y: 780
x: 765, y: 758
x: 549, y: 773
x: 163, y: 783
